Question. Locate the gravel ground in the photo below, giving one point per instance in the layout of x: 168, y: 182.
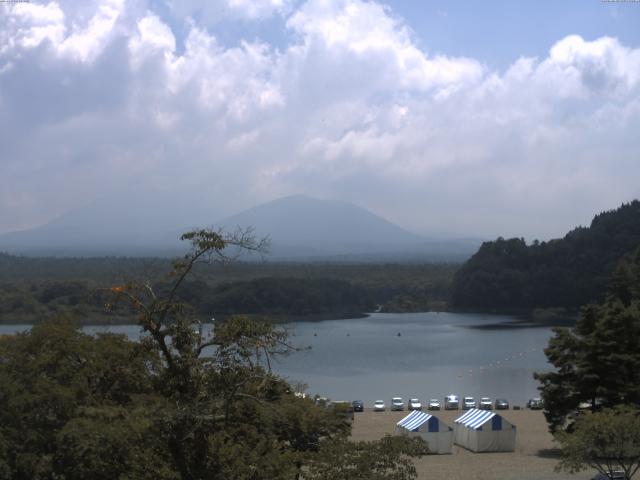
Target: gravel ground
x: 534, y: 458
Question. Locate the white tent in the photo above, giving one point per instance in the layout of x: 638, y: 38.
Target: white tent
x: 437, y: 434
x: 484, y: 431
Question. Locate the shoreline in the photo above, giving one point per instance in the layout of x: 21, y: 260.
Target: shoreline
x: 516, y: 319
x: 100, y: 321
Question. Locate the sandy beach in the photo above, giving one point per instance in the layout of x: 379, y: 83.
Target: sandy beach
x: 534, y: 459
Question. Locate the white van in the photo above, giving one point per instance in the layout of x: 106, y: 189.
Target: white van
x: 397, y: 404
x: 451, y: 402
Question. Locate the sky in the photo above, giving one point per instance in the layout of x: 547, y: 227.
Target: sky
x: 466, y: 119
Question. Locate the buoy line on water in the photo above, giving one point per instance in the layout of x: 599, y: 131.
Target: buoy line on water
x: 497, y: 363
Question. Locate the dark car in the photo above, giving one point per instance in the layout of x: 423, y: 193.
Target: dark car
x: 502, y: 404
x: 358, y: 406
x: 535, y: 403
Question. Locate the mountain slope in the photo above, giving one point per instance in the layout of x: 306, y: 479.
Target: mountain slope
x: 130, y: 223
x: 567, y: 272
x: 304, y: 226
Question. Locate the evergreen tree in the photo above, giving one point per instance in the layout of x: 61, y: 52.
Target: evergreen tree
x: 598, y: 361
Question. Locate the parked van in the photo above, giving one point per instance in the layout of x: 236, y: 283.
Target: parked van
x: 397, y: 404
x: 451, y: 402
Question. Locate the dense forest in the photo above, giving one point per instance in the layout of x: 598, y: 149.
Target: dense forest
x: 567, y: 272
x: 33, y: 289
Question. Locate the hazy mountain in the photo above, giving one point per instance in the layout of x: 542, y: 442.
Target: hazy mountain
x: 131, y: 223
x: 322, y: 226
x: 300, y: 228
x: 307, y: 228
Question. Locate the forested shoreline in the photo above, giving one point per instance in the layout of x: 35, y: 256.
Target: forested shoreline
x: 34, y: 289
x: 565, y: 273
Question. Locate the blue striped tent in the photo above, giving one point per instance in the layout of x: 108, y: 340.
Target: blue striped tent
x: 437, y: 434
x: 484, y: 431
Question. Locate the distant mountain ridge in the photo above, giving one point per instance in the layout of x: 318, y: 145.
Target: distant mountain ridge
x: 567, y: 272
x: 305, y: 226
x: 301, y: 228
x: 139, y: 223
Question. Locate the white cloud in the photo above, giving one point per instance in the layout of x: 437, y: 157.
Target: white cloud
x: 216, y: 12
x: 29, y: 25
x: 87, y: 41
x: 603, y: 66
x: 367, y: 32
x: 259, y: 8
x: 118, y: 94
x: 152, y: 36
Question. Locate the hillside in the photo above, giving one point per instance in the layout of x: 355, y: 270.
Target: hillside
x: 566, y: 272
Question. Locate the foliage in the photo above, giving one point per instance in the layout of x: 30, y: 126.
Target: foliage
x: 288, y: 296
x: 54, y: 376
x: 387, y: 459
x: 607, y: 441
x: 179, y: 404
x: 51, y: 287
x: 567, y: 272
x: 597, y: 362
x: 109, y: 442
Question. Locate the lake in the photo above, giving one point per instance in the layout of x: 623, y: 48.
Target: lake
x: 434, y: 355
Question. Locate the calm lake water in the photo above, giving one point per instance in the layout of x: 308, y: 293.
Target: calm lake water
x: 435, y: 354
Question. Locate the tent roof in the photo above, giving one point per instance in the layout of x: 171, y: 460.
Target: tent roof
x: 475, y: 418
x: 414, y: 420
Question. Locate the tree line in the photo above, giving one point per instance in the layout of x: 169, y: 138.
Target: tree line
x: 280, y: 290
x: 509, y: 274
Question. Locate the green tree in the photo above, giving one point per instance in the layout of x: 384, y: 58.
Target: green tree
x: 234, y: 417
x: 387, y: 459
x: 607, y: 441
x: 50, y: 377
x: 178, y: 405
x: 598, y: 361
x: 106, y: 442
